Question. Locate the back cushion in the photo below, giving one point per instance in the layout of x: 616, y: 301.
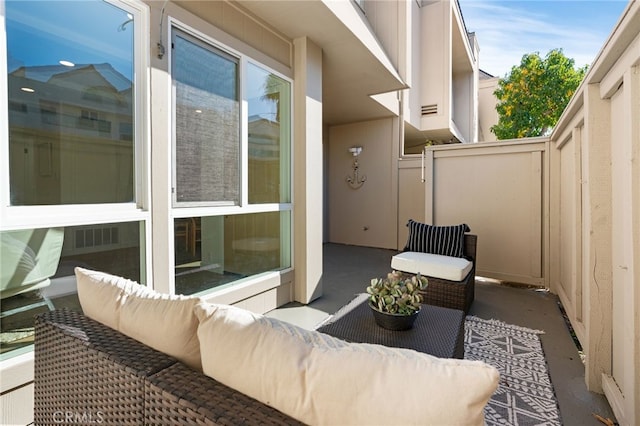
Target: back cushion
x: 443, y: 240
x: 322, y: 380
x: 101, y: 295
x: 164, y: 322
x: 161, y: 321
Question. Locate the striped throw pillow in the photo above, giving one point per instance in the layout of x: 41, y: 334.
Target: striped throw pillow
x: 443, y: 240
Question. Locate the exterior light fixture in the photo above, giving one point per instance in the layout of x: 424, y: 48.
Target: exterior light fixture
x: 354, y: 180
x: 355, y: 150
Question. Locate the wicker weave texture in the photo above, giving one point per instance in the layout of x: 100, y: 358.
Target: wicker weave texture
x: 437, y: 331
x: 454, y: 294
x: 88, y: 373
x: 451, y: 294
x: 78, y: 379
x: 183, y: 396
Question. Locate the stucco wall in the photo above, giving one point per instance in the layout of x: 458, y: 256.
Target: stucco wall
x: 364, y: 216
x: 487, y: 114
x: 435, y: 41
x: 231, y: 19
x: 385, y: 18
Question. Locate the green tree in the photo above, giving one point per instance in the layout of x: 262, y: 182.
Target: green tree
x: 533, y: 95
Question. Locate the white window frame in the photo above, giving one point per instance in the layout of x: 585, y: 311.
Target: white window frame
x: 194, y: 37
x: 24, y: 217
x: 183, y: 209
x: 190, y: 209
x: 18, y: 369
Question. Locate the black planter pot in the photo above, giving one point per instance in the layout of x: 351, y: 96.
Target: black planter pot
x: 396, y: 322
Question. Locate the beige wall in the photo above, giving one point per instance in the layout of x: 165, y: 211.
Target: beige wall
x: 364, y: 216
x: 463, y: 101
x: 411, y: 195
x: 499, y: 190
x: 435, y: 69
x: 487, y: 114
x: 386, y: 21
x: 448, y: 75
x: 307, y: 173
x: 596, y: 254
x: 235, y: 23
x: 413, y: 98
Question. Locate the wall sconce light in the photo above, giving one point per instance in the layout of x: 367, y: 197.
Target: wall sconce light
x: 355, y: 150
x: 355, y: 181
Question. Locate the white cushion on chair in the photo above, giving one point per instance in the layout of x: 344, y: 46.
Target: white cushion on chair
x: 432, y: 265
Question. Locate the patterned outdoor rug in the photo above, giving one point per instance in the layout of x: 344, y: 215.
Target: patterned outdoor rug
x: 525, y: 395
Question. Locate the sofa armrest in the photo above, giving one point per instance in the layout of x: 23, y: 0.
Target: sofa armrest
x: 87, y: 372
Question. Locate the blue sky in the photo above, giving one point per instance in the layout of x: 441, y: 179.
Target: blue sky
x: 508, y: 29
x: 42, y: 33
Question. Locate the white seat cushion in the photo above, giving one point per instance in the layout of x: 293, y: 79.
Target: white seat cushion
x: 432, y: 265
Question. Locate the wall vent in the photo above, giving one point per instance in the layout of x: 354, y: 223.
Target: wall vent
x: 429, y: 109
x: 95, y: 237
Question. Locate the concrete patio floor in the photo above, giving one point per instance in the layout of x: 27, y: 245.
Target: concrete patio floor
x: 348, y: 269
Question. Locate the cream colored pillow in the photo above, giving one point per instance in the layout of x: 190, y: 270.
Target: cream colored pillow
x: 164, y: 322
x: 101, y: 294
x: 268, y: 367
x: 322, y: 380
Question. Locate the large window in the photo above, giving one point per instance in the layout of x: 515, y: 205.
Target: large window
x: 207, y: 111
x: 214, y: 251
x: 70, y: 90
x: 72, y: 186
x: 232, y: 160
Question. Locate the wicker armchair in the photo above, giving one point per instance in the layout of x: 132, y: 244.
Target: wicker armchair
x: 454, y: 294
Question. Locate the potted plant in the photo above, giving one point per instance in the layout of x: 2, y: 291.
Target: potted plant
x: 395, y: 300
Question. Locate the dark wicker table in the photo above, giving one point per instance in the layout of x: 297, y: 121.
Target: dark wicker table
x: 437, y: 331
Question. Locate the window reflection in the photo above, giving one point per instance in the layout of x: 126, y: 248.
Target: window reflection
x: 37, y: 271
x: 269, y: 125
x: 70, y: 70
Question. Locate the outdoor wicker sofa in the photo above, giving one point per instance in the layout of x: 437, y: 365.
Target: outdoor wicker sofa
x: 135, y: 356
x: 88, y: 373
